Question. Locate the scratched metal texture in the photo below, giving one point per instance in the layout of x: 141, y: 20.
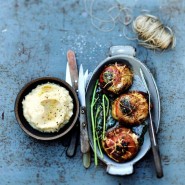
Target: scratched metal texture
x: 34, y: 38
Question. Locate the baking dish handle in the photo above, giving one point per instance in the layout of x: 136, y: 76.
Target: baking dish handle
x: 120, y: 170
x: 122, y: 50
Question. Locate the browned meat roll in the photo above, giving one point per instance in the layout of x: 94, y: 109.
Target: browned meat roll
x: 116, y: 78
x: 131, y: 108
x: 121, y: 144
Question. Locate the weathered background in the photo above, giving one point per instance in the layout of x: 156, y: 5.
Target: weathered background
x: 34, y: 38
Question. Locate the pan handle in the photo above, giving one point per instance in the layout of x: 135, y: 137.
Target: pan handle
x: 125, y: 169
x: 122, y: 50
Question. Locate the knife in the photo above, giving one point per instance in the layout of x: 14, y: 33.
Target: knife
x: 72, y: 78
x: 86, y: 157
x: 67, y: 138
x: 152, y: 133
x: 84, y: 139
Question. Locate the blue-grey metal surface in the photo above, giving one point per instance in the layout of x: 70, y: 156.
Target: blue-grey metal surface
x: 34, y: 38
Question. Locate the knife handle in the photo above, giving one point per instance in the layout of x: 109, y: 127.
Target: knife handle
x: 155, y: 149
x: 86, y: 159
x: 157, y: 160
x: 84, y: 139
x: 71, y: 150
x: 73, y: 69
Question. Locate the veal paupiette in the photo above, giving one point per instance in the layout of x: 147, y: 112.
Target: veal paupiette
x: 121, y: 144
x: 131, y: 108
x: 116, y: 78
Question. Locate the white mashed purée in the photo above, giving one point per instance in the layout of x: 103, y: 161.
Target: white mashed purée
x: 48, y: 107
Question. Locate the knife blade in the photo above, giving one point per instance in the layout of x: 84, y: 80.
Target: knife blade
x: 72, y: 78
x: 68, y: 77
x: 86, y: 75
x: 66, y: 139
x: 152, y: 133
x: 84, y: 139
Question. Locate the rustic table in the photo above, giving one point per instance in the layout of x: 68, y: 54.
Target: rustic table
x: 34, y: 38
